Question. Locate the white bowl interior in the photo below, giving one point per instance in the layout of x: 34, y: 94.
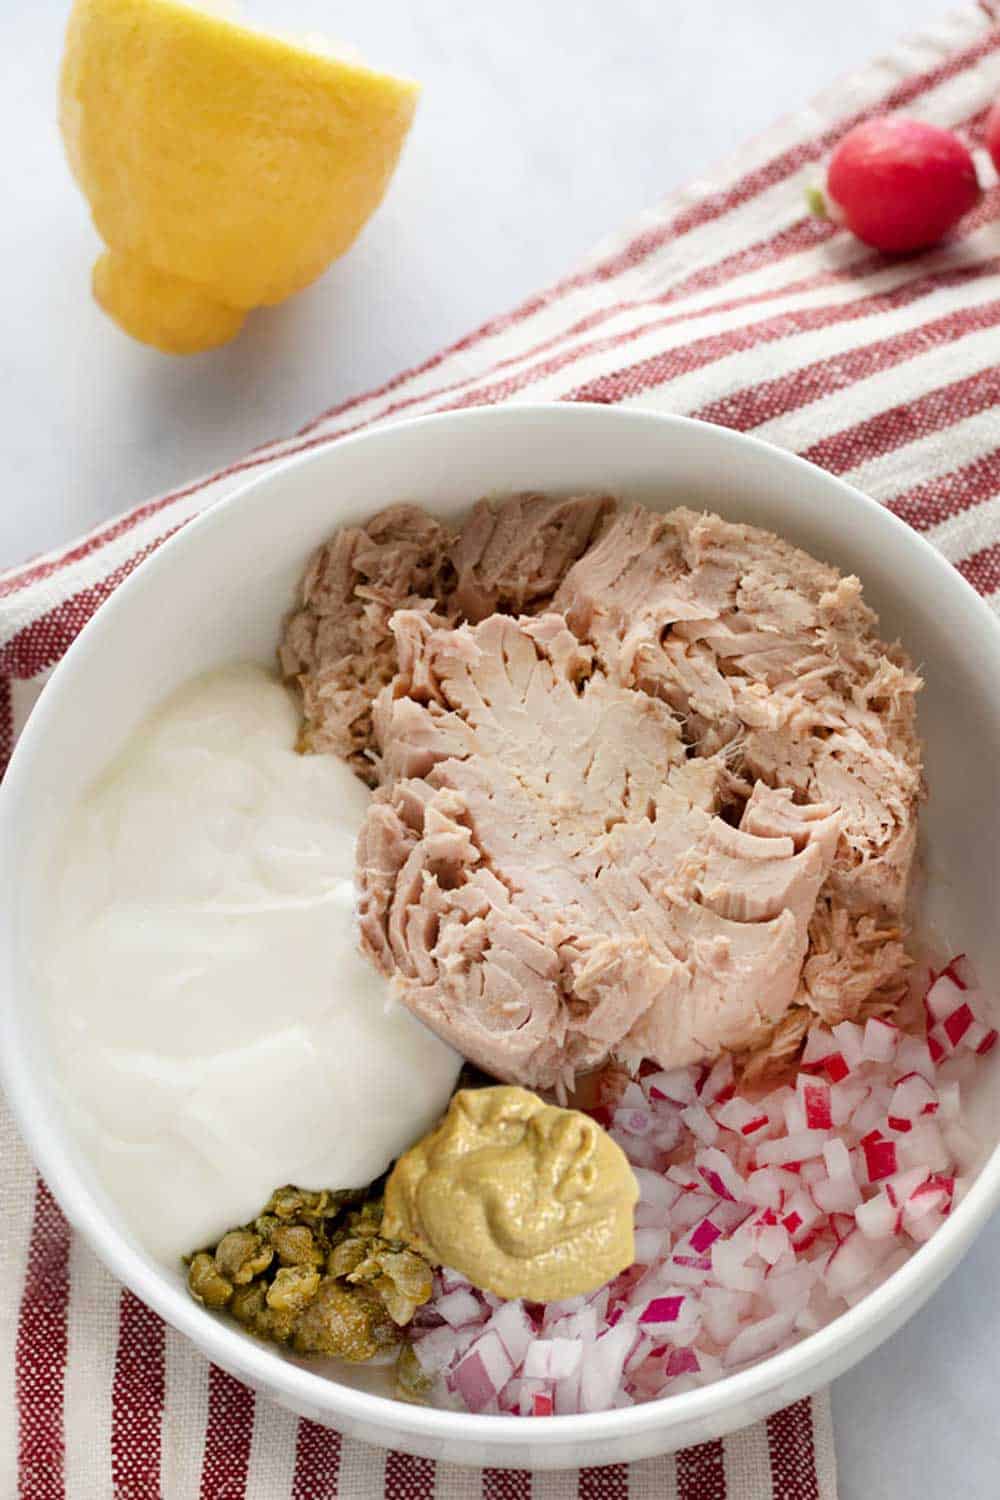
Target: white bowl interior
x: 218, y: 592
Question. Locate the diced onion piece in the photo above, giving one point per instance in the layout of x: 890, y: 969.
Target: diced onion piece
x: 460, y: 1307
x: 516, y: 1330
x: 482, y: 1373
x: 662, y: 1310
x: 552, y: 1359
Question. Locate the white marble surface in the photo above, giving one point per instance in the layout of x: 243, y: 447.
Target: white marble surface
x: 544, y: 125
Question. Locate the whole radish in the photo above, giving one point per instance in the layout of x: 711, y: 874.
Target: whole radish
x: 992, y: 136
x: 901, y: 184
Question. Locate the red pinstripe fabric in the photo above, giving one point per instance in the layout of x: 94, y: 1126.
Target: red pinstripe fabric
x: 137, y: 1401
x: 42, y: 1346
x: 317, y: 1463
x: 771, y: 279
x: 408, y: 1478
x: 701, y: 1473
x: 228, y: 1436
x: 793, y: 1457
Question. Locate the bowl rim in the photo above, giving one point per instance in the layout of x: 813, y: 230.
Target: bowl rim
x: 259, y: 1364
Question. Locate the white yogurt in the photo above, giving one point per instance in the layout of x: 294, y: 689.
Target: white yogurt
x: 217, y: 1031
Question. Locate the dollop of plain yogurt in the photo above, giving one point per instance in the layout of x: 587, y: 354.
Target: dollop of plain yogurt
x: 217, y: 1031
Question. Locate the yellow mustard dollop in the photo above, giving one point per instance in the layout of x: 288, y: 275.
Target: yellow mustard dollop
x: 523, y: 1198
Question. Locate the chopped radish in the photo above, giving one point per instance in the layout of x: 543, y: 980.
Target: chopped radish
x: 704, y: 1236
x: 816, y: 1104
x: 880, y: 1158
x: 876, y: 1218
x: 879, y: 1041
x: 988, y: 1042
x: 845, y: 1099
x: 635, y: 1121
x: 850, y: 1042
x: 913, y: 1056
x: 729, y: 1263
x: 793, y: 1148
x: 957, y: 1024
x: 722, y: 1314
x: 913, y: 1096
x: 719, y: 1173
x: 663, y: 1310
x: 853, y: 1260
x: 651, y: 1245
x: 718, y: 1086
x: 924, y: 1147
x: 677, y: 1084
x: 773, y: 1216
x: 741, y: 1117
x: 763, y: 1188
x: 905, y: 1184
x: 700, y: 1123
x: 773, y: 1242
x: 682, y: 1362
x: 759, y: 1339
x: 944, y: 997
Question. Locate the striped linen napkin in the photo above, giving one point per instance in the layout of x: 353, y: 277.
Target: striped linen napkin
x: 727, y: 303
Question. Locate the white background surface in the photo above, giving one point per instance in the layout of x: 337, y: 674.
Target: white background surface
x: 545, y: 124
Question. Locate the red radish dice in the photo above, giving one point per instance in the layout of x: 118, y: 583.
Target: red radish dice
x: 717, y: 1170
x: 880, y: 1159
x: 676, y: 1084
x: 901, y: 184
x: 759, y: 1339
x: 763, y: 1188
x: 943, y: 997
x: 815, y: 1097
x: 960, y: 970
x: 700, y: 1123
x: 913, y: 1096
x: 849, y: 1038
x: 879, y: 1041
x: 958, y: 1023
x: 877, y: 1218
x: 682, y: 1362
x: 718, y: 1086
x: 741, y: 1117
x: 853, y: 1261
x: 791, y: 1148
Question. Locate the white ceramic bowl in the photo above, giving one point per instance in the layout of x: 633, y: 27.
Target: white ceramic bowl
x: 218, y: 590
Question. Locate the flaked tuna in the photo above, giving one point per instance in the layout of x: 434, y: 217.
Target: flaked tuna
x: 647, y: 783
x: 545, y: 872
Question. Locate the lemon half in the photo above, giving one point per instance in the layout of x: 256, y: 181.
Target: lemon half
x: 225, y: 168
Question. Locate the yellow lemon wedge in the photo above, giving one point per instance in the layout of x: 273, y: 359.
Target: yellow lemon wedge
x: 225, y: 168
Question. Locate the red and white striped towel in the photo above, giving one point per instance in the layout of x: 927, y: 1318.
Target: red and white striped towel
x: 726, y: 303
